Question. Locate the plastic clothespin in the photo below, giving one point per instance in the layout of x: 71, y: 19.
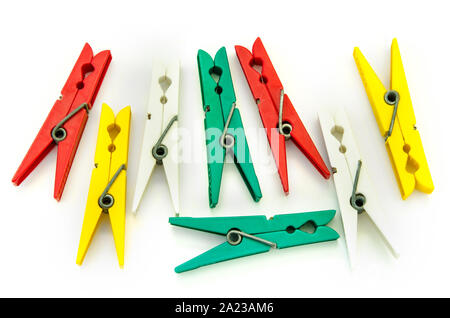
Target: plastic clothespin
x: 395, y: 117
x: 107, y: 191
x: 160, y: 143
x: 248, y: 235
x: 66, y: 121
x: 353, y: 187
x: 223, y: 125
x: 276, y: 110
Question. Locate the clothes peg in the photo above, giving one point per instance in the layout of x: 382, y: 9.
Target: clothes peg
x: 107, y: 191
x: 66, y: 121
x: 395, y: 117
x: 353, y: 187
x: 160, y: 143
x: 276, y: 110
x: 248, y: 235
x: 223, y: 125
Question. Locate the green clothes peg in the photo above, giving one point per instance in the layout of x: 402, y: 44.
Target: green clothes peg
x: 248, y: 235
x: 223, y: 125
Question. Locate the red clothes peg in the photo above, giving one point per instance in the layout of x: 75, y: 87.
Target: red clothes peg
x: 269, y: 95
x: 66, y: 121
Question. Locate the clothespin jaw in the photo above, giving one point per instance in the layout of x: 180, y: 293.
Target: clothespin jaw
x: 248, y: 235
x: 278, y: 115
x: 353, y: 187
x: 107, y: 191
x: 160, y: 142
x: 66, y: 121
x: 223, y: 125
x: 394, y: 113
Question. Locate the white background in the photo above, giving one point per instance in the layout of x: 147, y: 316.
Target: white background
x: 311, y: 44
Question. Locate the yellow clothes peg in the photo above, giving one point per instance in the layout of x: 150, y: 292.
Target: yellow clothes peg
x: 107, y: 191
x: 395, y: 117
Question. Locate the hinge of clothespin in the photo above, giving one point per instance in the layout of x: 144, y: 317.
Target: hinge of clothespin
x: 160, y: 142
x: 66, y: 121
x: 223, y: 125
x: 107, y: 191
x: 394, y: 113
x: 353, y: 187
x: 278, y: 115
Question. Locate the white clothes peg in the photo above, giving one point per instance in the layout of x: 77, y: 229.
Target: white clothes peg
x: 353, y: 187
x: 160, y: 143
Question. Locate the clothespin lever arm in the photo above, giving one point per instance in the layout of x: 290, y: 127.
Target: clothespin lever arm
x: 58, y: 132
x: 159, y: 150
x: 106, y: 200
